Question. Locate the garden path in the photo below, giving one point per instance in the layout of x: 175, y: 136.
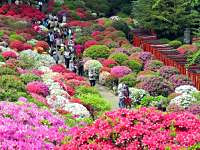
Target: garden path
x: 108, y: 95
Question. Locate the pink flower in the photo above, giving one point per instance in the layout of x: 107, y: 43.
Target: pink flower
x: 37, y: 87
x: 9, y: 54
x: 120, y: 71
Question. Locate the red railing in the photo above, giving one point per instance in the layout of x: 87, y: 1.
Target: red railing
x: 168, y: 55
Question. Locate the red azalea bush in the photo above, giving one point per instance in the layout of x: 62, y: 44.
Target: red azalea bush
x: 42, y: 44
x: 75, y: 83
x: 18, y: 45
x: 58, y: 68
x: 70, y: 90
x: 120, y: 71
x: 109, y: 63
x: 90, y: 43
x: 37, y: 87
x: 9, y: 54
x: 26, y: 46
x: 137, y: 130
x: 95, y: 33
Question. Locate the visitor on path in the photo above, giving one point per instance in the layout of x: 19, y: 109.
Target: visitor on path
x: 67, y: 58
x: 92, y: 76
x: 80, y: 67
x: 55, y: 55
x: 123, y: 93
x: 72, y: 66
x: 40, y: 4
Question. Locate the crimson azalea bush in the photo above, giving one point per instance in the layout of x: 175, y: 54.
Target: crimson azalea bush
x: 136, y: 130
x: 58, y: 68
x: 187, y: 49
x: 42, y: 44
x: 9, y: 54
x: 90, y: 43
x: 109, y: 63
x: 120, y: 71
x: 18, y: 45
x: 25, y: 126
x: 37, y: 87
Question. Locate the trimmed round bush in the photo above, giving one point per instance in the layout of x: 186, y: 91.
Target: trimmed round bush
x: 120, y: 71
x: 94, y: 64
x: 133, y: 65
x: 129, y: 80
x: 97, y: 51
x: 16, y: 37
x: 178, y: 80
x: 38, y: 87
x: 175, y: 43
x: 9, y: 54
x: 168, y: 71
x: 109, y: 63
x: 119, y: 57
x: 153, y: 65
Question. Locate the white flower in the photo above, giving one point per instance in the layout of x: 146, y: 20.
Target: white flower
x: 77, y: 109
x: 115, y: 18
x: 185, y: 89
x: 103, y: 76
x: 44, y: 69
x: 137, y: 94
x: 57, y: 101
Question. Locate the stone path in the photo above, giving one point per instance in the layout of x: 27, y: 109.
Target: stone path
x: 108, y: 95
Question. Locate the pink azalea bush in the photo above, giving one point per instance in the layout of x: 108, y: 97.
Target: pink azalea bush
x: 178, y: 80
x: 168, y: 71
x: 109, y: 63
x: 137, y: 130
x: 120, y: 71
x: 37, y: 87
x: 58, y: 68
x: 25, y: 126
x: 9, y: 54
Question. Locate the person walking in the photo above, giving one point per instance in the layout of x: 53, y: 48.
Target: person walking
x: 92, y: 76
x: 40, y: 4
x: 67, y: 57
x: 123, y: 93
x: 72, y: 66
x: 55, y: 55
x: 80, y: 67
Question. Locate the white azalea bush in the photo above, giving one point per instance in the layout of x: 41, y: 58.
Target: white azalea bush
x: 137, y: 94
x: 103, y: 76
x: 186, y: 89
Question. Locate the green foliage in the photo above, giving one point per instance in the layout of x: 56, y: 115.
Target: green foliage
x: 194, y: 147
x: 196, y: 95
x: 13, y: 37
x: 153, y: 101
x: 72, y: 121
x: 164, y: 41
x: 121, y: 25
x: 133, y: 65
x: 97, y: 51
x: 1, y: 33
x: 193, y: 58
x: 129, y: 80
x: 2, y: 58
x: 175, y: 43
x: 86, y: 90
x: 7, y: 71
x: 26, y: 62
x: 26, y: 78
x: 119, y: 57
x: 168, y: 18
x: 82, y: 39
x: 11, y: 82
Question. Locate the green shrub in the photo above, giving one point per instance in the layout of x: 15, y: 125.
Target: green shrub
x: 2, y: 58
x: 121, y: 25
x: 196, y: 95
x: 26, y: 78
x: 133, y: 65
x: 1, y: 33
x: 164, y: 41
x: 175, y: 43
x: 153, y: 101
x: 82, y: 39
x: 7, y: 71
x: 86, y: 90
x: 129, y: 80
x: 98, y: 104
x: 97, y: 51
x: 11, y: 82
x: 13, y: 37
x: 119, y: 57
x: 26, y: 62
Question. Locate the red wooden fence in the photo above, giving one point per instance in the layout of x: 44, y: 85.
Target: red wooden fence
x: 168, y: 55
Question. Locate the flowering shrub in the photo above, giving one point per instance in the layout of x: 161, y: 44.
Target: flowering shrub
x: 145, y: 128
x: 42, y: 44
x: 90, y: 43
x: 133, y: 65
x: 97, y: 51
x: 106, y: 69
x: 103, y: 76
x: 119, y: 57
x: 26, y: 78
x: 137, y: 95
x: 18, y: 45
x: 120, y: 50
x: 92, y: 64
x: 168, y: 71
x: 178, y: 80
x: 38, y: 88
x: 120, y: 71
x: 156, y: 86
x: 129, y: 79
x: 38, y: 126
x: 58, y: 68
x: 186, y: 89
x: 153, y: 65
x: 194, y: 109
x: 26, y: 46
x: 145, y: 56
x: 9, y: 54
x: 187, y: 49
x: 109, y: 63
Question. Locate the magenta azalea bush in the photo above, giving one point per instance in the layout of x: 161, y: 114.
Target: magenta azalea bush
x: 178, y: 80
x: 137, y: 130
x: 25, y: 126
x: 9, y: 54
x: 145, y: 56
x: 120, y: 71
x: 38, y: 87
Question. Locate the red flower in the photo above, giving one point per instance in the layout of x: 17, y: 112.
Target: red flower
x: 9, y: 54
x: 16, y: 45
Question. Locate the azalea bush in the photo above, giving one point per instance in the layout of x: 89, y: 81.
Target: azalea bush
x: 93, y: 64
x: 137, y: 130
x: 145, y: 56
x: 26, y: 116
x: 9, y: 54
x: 119, y: 57
x: 16, y: 44
x: 187, y: 49
x: 37, y: 87
x: 129, y: 80
x: 97, y: 51
x: 133, y: 65
x: 153, y: 65
x: 26, y: 78
x: 103, y: 77
x: 109, y: 63
x: 178, y: 80
x: 168, y: 71
x: 120, y: 71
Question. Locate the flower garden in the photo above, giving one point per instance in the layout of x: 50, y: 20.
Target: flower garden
x: 46, y: 106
